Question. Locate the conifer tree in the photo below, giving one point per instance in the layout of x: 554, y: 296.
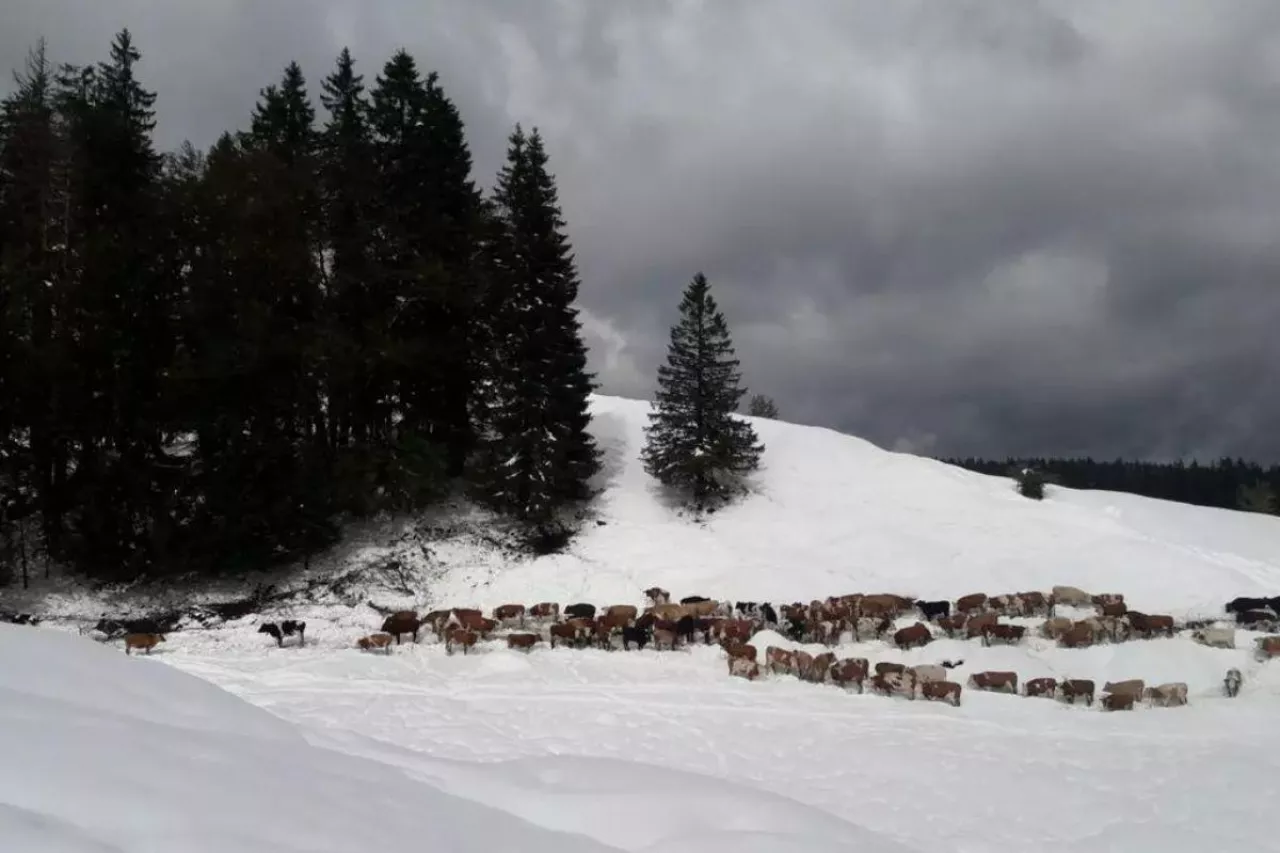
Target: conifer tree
x: 761, y: 406
x: 694, y: 441
x: 536, y: 455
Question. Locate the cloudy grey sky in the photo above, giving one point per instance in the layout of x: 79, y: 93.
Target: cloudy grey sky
x: 963, y: 227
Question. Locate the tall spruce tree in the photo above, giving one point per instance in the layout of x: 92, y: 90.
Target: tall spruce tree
x: 535, y: 455
x: 694, y: 441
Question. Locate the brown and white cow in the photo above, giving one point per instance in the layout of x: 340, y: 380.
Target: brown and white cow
x: 1040, y: 687
x: 997, y: 682
x: 742, y: 667
x: 1266, y: 648
x: 914, y: 636
x: 1171, y: 695
x: 974, y: 603
x: 1071, y: 689
x: 1118, y: 701
x: 509, y: 613
x: 522, y: 641
x: 941, y: 691
x: 849, y: 671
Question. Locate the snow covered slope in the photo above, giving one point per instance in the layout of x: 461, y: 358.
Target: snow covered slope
x: 833, y: 514
x: 102, y: 752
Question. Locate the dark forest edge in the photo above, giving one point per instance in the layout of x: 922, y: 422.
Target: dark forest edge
x: 211, y: 361
x: 1227, y: 483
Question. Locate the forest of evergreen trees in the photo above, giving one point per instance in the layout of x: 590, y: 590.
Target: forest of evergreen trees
x: 210, y: 359
x: 1227, y: 483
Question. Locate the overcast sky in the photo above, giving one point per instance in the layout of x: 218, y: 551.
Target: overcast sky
x: 960, y: 227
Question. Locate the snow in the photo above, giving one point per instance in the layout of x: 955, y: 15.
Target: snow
x: 324, y: 747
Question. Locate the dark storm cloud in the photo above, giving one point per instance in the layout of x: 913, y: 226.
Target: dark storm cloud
x: 964, y: 227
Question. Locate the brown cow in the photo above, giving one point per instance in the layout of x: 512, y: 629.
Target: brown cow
x: 1073, y: 596
x: 1074, y: 688
x: 971, y: 603
x: 849, y: 671
x: 1117, y: 701
x: 1150, y: 625
x: 573, y: 631
x: 375, y: 641
x: 999, y: 682
x: 627, y: 613
x: 744, y: 668
x: 870, y: 626
x: 1103, y: 599
x: 951, y: 625
x: 977, y: 626
x: 464, y: 637
x: 545, y: 610
x: 402, y: 622
x: 522, y: 641
x: 1266, y: 647
x: 885, y: 667
x: 941, y: 691
x: 657, y: 595
x: 1040, y: 687
x: 663, y: 636
x: 1005, y: 605
x: 1113, y: 608
x: 670, y: 612
x: 1078, y: 636
x: 1008, y: 634
x: 1133, y: 686
x: 879, y: 605
x: 146, y: 642
x: 913, y: 636
x: 484, y: 627
x: 1172, y: 695
x: 819, y: 666
x: 739, y: 650
x: 508, y: 612
x: 1055, y: 627
x: 732, y: 629
x: 928, y: 672
x: 780, y: 661
x: 887, y: 683
x: 466, y: 617
x: 701, y: 608
x: 1034, y: 603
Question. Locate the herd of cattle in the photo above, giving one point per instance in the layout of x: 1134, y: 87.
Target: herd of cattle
x: 668, y: 625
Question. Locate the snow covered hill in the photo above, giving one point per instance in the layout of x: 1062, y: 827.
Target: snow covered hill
x: 833, y: 514
x: 572, y: 750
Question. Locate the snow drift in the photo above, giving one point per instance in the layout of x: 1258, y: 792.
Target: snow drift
x: 104, y: 752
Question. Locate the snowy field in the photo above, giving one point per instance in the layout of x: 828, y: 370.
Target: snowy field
x: 572, y: 750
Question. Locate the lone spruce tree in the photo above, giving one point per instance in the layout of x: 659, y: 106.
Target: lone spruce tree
x: 694, y: 441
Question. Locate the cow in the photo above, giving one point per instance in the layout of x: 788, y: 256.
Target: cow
x: 1113, y: 608
x: 1243, y: 604
x: 818, y: 667
x: 1034, y: 603
x: 1216, y: 638
x: 1069, y: 595
x: 780, y: 661
x: 1055, y: 626
x: 1231, y: 683
x: 1172, y: 695
x: 1040, y: 687
x: 509, y: 612
x: 523, y: 641
x: 1103, y: 599
x: 971, y: 603
x: 1266, y: 648
x: 950, y: 625
x: 464, y: 637
x: 744, y: 668
x: 1118, y: 701
x: 146, y: 642
x: 886, y: 606
x: 977, y: 626
x: 885, y: 667
x: 402, y: 622
x: 670, y: 612
x: 768, y: 615
x: 913, y: 636
x: 999, y: 682
x: 1005, y: 605
x: 941, y: 691
x: 849, y: 671
x: 657, y: 595
x: 1149, y: 625
x: 637, y: 634
x: 1070, y: 689
x: 546, y: 610
x: 1133, y: 686
x: 622, y: 614
x: 739, y: 650
x: 928, y: 672
x: 381, y: 640
x: 1078, y: 636
x: 888, y: 683
x: 1008, y: 634
x: 287, y: 628
x: 870, y: 626
x: 580, y: 611
x: 664, y: 634
x: 934, y: 610
x: 1262, y: 620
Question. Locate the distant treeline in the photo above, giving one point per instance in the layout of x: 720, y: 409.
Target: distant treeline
x: 1228, y: 483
